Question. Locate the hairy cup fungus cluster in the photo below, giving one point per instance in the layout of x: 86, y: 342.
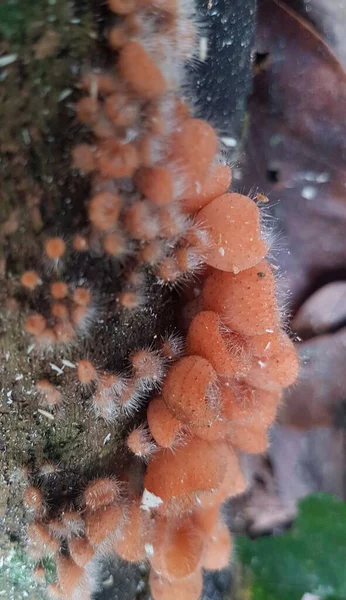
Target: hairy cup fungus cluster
x: 160, y: 202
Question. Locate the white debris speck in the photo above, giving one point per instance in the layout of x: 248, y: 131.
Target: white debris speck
x: 309, y: 192
x: 222, y: 251
x: 45, y: 413
x: 150, y: 501
x: 230, y: 142
x: 67, y: 363
x: 8, y: 59
x: 19, y: 377
x: 56, y: 368
x: 64, y: 94
x: 149, y: 548
x: 203, y: 48
x: 261, y: 364
x: 30, y: 348
x: 9, y: 397
x: 7, y: 356
x: 269, y: 330
x: 107, y: 439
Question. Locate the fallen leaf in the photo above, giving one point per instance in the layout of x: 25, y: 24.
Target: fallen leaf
x: 322, y: 311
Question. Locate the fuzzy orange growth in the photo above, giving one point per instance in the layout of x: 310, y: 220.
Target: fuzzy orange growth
x: 178, y: 548
x: 86, y: 372
x: 102, y: 82
x: 117, y: 37
x: 81, y: 551
x: 131, y: 544
x: 244, y: 404
x: 81, y: 296
x: 114, y: 244
x: 147, y: 366
x: 138, y: 69
x: 152, y: 253
x: 218, y: 430
x: 172, y: 221
x: 54, y: 591
x: 39, y: 573
x: 80, y: 243
x: 218, y: 550
x: 80, y: 315
x: 226, y: 351
x: 172, y: 346
x: 122, y: 7
x: 216, y: 183
x: 64, y: 332
x: 194, y: 146
x: 33, y: 499
x: 30, y: 280
x: 51, y: 396
x: 129, y: 300
x: 83, y: 158
x: 55, y: 248
x: 60, y: 311
x: 88, y: 110
x: 102, y: 523
x: 103, y: 210
x: 73, y: 523
x: 140, y: 222
x: 206, y: 518
x: 46, y: 338
x: 189, y: 260
x: 116, y: 159
x: 197, y: 466
x: 189, y: 588
x: 40, y: 541
x: 156, y: 184
x: 100, y: 493
x: 168, y: 271
x: 59, y: 290
x: 163, y: 425
x: 233, y: 224
x: 35, y: 324
x: 120, y: 110
x: 277, y: 371
x: 251, y: 438
x: 140, y: 442
x: 191, y: 392
x: 69, y: 575
x: 245, y: 302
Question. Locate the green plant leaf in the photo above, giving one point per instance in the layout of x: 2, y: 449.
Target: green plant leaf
x: 309, y: 558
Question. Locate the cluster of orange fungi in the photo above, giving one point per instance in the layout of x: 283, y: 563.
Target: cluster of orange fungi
x: 160, y: 194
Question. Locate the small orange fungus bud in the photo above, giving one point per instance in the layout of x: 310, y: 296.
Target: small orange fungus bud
x: 228, y: 352
x: 116, y: 159
x: 59, y: 290
x: 81, y: 551
x: 189, y: 588
x: 69, y: 575
x: 30, y: 280
x: 156, y: 184
x: 178, y: 548
x: 194, y: 146
x: 114, y: 244
x: 148, y: 366
x: 138, y: 69
x: 33, y: 499
x: 197, y: 466
x: 88, y: 109
x: 51, y: 395
x: 100, y: 493
x: 121, y: 111
x: 232, y: 221
x: 104, y: 210
x: 163, y: 425
x: 80, y: 243
x: 102, y: 523
x: 55, y: 248
x: 86, y: 372
x: 64, y: 332
x: 35, y: 324
x: 60, y: 311
x: 40, y: 541
x: 103, y: 83
x: 83, y: 158
x: 216, y: 183
x: 133, y: 539
x: 140, y: 442
x: 191, y: 391
x: 129, y: 300
x: 81, y: 296
x: 46, y: 338
x: 245, y: 302
x: 122, y: 7
x: 218, y: 551
x: 140, y: 222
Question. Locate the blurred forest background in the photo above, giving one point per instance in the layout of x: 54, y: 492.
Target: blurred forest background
x: 275, y: 85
